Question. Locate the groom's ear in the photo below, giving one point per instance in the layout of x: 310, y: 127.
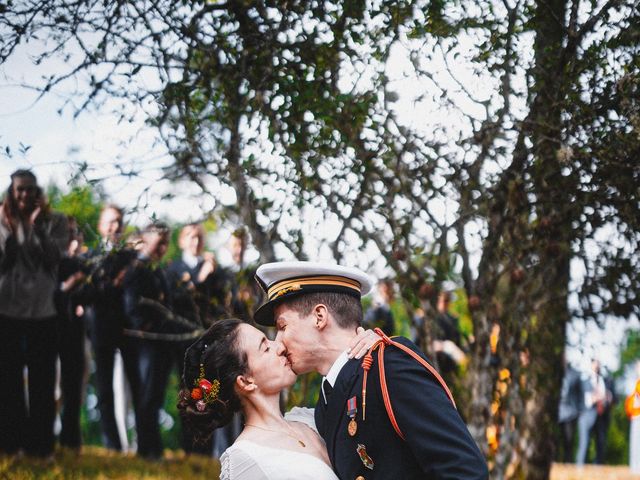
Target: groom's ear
x: 245, y: 384
x: 321, y: 315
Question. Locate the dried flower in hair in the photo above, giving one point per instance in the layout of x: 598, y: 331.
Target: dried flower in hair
x: 196, y: 393
x: 205, y: 391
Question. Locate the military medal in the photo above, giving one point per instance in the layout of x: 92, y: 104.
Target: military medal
x: 353, y: 427
x: 367, y: 461
x: 352, y: 409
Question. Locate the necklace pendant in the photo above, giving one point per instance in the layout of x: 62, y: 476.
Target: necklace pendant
x: 301, y: 443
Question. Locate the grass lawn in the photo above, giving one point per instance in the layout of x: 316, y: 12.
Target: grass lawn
x: 98, y: 463
x: 102, y: 464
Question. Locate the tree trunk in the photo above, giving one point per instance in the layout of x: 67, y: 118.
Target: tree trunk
x: 553, y: 191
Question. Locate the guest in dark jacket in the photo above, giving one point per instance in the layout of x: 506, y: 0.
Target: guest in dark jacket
x: 380, y: 315
x: 569, y: 410
x: 147, y: 306
x: 32, y: 241
x: 105, y: 318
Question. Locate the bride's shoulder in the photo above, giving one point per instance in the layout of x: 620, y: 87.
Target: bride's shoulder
x: 237, y: 462
x: 303, y: 415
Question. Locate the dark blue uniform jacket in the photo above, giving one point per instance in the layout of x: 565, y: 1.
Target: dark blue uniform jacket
x: 438, y: 444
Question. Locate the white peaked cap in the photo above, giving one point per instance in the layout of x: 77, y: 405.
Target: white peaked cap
x: 283, y: 280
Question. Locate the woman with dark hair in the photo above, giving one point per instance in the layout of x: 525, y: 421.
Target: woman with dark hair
x: 32, y: 240
x: 235, y: 367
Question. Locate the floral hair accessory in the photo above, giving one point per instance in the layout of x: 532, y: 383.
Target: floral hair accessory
x: 204, y: 391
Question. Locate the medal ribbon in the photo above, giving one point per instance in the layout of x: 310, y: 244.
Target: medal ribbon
x: 352, y: 408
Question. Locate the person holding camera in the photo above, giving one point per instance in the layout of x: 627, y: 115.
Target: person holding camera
x: 32, y: 242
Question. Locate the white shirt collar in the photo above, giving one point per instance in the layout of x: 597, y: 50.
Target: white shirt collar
x: 190, y: 260
x: 334, y: 371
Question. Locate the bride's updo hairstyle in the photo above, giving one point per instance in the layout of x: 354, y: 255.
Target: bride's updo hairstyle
x: 208, y: 399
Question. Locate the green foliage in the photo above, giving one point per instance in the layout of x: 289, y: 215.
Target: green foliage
x: 631, y: 350
x: 171, y: 437
x: 91, y: 433
x: 459, y: 307
x: 617, y: 443
x: 305, y: 391
x: 81, y: 202
x: 173, y: 250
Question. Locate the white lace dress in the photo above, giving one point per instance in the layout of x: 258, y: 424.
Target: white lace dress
x: 247, y: 460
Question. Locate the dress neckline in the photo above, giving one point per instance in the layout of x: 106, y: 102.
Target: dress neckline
x: 306, y: 454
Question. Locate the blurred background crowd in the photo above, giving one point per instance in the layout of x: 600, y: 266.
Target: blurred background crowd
x: 93, y: 335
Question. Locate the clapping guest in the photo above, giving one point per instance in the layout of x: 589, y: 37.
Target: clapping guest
x: 201, y: 290
x: 32, y: 240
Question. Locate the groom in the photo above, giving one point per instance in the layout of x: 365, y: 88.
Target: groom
x: 316, y: 309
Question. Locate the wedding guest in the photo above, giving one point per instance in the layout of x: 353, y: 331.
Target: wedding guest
x: 603, y: 420
x: 147, y: 301
x: 569, y: 409
x: 71, y: 339
x: 201, y: 288
x: 380, y: 315
x: 595, y: 397
x: 245, y: 294
x: 447, y: 341
x: 197, y: 294
x: 32, y: 241
x: 105, y: 321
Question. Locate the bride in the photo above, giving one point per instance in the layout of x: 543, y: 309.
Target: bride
x: 235, y: 367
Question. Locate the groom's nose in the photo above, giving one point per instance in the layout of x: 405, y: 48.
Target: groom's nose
x: 280, y: 348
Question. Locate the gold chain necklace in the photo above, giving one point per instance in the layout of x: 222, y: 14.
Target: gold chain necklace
x: 278, y: 431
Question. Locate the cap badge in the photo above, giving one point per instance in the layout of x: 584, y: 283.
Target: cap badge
x: 284, y: 291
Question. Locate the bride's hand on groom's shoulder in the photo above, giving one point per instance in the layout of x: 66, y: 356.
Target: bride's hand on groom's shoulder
x: 361, y: 343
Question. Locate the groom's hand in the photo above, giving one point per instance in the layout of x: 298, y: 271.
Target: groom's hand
x: 361, y: 343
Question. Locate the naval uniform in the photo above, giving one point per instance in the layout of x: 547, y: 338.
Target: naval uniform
x: 438, y: 443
